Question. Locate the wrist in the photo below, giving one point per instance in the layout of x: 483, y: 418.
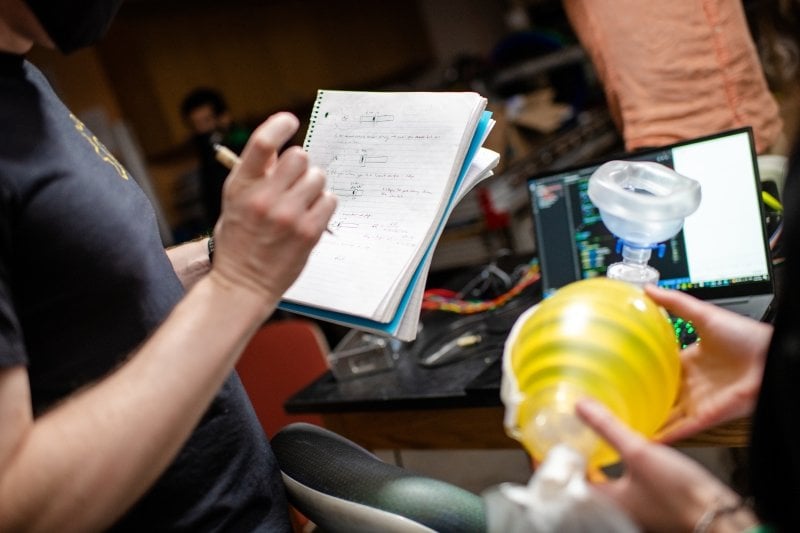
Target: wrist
x: 739, y: 521
x: 248, y: 298
x: 726, y: 515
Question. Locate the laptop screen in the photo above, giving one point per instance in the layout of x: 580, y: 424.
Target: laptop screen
x: 722, y: 251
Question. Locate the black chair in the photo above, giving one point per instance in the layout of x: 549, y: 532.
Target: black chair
x: 341, y: 487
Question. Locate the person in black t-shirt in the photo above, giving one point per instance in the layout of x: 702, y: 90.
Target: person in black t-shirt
x: 119, y: 407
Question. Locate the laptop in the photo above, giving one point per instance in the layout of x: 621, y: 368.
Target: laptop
x: 722, y: 253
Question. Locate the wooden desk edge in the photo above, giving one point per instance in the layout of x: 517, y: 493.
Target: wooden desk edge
x: 473, y: 428
x: 734, y: 434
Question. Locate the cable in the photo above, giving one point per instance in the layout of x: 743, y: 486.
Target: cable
x: 775, y: 237
x: 447, y: 300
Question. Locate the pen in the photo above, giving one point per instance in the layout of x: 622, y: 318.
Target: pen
x: 228, y: 158
x: 225, y: 155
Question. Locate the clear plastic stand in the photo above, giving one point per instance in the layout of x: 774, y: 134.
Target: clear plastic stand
x: 360, y: 354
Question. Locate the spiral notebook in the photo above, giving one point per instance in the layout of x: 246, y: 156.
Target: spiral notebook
x: 398, y: 163
x: 721, y: 255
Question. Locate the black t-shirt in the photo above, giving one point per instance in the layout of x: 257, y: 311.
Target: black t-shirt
x: 83, y: 281
x: 775, y: 441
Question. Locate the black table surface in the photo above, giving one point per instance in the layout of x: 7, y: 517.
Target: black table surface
x: 406, y: 386
x: 471, y: 379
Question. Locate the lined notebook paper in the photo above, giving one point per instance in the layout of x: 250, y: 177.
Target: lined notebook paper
x: 398, y: 163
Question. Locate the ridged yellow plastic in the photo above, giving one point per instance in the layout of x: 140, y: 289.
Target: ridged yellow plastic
x: 601, y: 338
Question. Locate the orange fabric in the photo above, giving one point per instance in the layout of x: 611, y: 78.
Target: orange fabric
x: 282, y: 357
x: 676, y: 69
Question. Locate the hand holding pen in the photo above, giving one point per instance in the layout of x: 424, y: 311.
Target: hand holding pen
x: 229, y: 159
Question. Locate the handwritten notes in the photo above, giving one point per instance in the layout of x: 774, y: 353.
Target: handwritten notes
x: 392, y: 160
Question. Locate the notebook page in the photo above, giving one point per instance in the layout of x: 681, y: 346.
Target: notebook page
x: 467, y: 174
x: 391, y: 159
x: 403, y: 324
x: 480, y: 169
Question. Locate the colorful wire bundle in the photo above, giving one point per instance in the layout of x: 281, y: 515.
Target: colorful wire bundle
x: 447, y: 300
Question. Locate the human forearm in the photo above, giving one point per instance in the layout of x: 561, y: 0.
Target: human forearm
x: 190, y: 261
x: 81, y: 465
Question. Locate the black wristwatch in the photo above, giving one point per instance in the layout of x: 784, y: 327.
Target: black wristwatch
x: 211, y: 249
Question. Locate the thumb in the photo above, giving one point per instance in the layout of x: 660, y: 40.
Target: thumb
x: 264, y: 144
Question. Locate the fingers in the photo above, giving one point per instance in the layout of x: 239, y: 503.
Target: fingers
x: 292, y: 174
x: 306, y: 202
x: 322, y: 209
x: 264, y: 144
x: 678, y: 429
x: 289, y: 172
x: 608, y: 427
x: 300, y: 193
x: 285, y: 182
x: 679, y: 303
x: 315, y: 180
x: 679, y: 417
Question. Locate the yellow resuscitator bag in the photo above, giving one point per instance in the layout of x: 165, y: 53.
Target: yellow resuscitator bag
x: 601, y: 338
